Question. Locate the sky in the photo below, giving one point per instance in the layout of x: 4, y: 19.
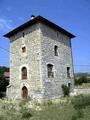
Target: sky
x: 72, y: 15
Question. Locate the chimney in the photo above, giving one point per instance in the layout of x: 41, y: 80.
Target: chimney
x: 32, y: 17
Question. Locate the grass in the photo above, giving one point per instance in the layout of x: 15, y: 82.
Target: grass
x: 68, y: 108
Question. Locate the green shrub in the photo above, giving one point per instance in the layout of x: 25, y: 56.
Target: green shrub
x: 25, y: 112
x: 81, y: 101
x: 74, y: 117
x: 81, y: 80
x: 2, y: 94
x: 79, y: 114
x: 73, y: 108
x: 66, y: 90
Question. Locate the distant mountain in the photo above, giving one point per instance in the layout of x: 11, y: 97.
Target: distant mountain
x: 82, y: 74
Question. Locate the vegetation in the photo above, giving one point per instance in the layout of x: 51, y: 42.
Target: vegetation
x: 81, y: 80
x: 3, y: 81
x: 80, y: 103
x: 3, y: 69
x: 67, y: 108
x: 66, y: 90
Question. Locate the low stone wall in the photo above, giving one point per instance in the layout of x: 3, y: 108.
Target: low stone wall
x: 78, y: 91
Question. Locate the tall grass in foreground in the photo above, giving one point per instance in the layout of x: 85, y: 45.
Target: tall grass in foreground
x: 69, y: 108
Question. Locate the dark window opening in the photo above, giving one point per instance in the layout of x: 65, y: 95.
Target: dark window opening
x: 24, y: 92
x: 68, y: 72
x: 23, y: 49
x: 69, y: 85
x: 23, y: 34
x: 50, y: 71
x: 24, y: 73
x: 56, y: 50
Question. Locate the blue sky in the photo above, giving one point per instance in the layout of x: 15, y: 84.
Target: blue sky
x: 72, y: 15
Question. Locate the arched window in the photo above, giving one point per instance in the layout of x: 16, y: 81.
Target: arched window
x: 56, y: 50
x: 24, y: 92
x: 50, y: 71
x: 24, y: 73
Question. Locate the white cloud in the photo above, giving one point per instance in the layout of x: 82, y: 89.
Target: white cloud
x: 5, y: 24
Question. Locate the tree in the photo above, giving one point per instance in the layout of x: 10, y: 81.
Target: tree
x: 81, y: 80
x: 3, y: 84
x: 3, y: 81
x: 3, y: 69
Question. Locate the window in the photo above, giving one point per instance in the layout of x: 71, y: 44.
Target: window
x: 50, y: 71
x: 68, y: 72
x: 24, y: 92
x: 69, y: 85
x: 56, y: 50
x: 23, y: 49
x: 23, y: 34
x: 24, y: 73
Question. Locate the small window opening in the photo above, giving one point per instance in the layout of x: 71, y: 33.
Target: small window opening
x: 50, y: 71
x: 56, y: 50
x: 23, y: 34
x: 68, y: 72
x: 23, y: 49
x: 69, y: 85
x: 24, y: 73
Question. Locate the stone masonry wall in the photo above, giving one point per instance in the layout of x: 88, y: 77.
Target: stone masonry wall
x: 50, y: 38
x: 40, y: 41
x: 31, y: 59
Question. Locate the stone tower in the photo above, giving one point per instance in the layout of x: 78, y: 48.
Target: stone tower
x: 40, y: 60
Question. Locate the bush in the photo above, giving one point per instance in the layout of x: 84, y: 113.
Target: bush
x: 2, y: 94
x: 81, y: 80
x: 3, y: 85
x: 25, y: 112
x: 66, y: 90
x: 79, y: 114
x: 73, y: 108
x: 80, y: 102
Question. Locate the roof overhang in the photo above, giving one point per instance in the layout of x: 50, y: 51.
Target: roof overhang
x: 37, y: 20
